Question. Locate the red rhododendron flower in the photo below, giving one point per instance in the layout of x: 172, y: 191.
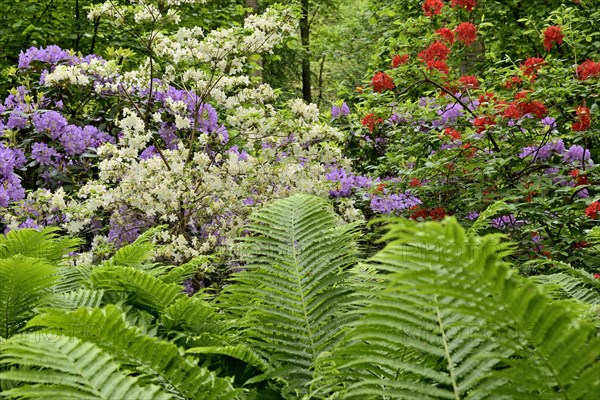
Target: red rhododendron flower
x: 583, y: 121
x: 468, y: 4
x: 434, y: 213
x: 414, y: 182
x: 447, y: 35
x: 537, y: 108
x: 483, y: 122
x: 432, y: 7
x: 552, y: 35
x: 522, y: 94
x: 439, y: 65
x: 469, y: 82
x: 453, y: 133
x: 592, y: 210
x: 466, y: 33
x: 469, y: 150
x: 438, y: 213
x: 581, y: 245
x: 579, y: 179
x: 588, y: 69
x: 531, y: 66
x: 370, y: 121
x: 596, y: 276
x: 381, y: 81
x: 514, y: 81
x: 437, y: 51
x: 486, y: 98
x: 399, y: 60
x: 513, y: 111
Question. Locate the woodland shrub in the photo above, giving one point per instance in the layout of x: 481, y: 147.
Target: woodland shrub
x: 186, y: 140
x: 462, y: 134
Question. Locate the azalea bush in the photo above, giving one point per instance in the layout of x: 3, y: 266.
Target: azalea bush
x: 186, y: 140
x: 435, y: 134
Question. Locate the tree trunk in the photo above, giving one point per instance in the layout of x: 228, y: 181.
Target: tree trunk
x: 304, y: 36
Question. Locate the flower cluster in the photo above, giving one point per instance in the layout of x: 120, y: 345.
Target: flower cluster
x: 466, y: 33
x: 583, y: 121
x: 381, y: 82
x: 468, y: 4
x: 588, y: 69
x: 433, y: 7
x: 593, y: 210
x: 552, y: 34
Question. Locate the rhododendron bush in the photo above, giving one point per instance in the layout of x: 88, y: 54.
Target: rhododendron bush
x: 520, y: 138
x: 186, y: 140
x: 451, y: 121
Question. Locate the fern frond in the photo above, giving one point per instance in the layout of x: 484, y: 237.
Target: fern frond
x: 177, y: 274
x: 483, y: 221
x: 44, y: 245
x: 158, y: 361
x: 135, y: 254
x: 143, y: 290
x: 292, y: 292
x: 238, y: 351
x: 76, y: 299
x: 581, y: 288
x: 453, y: 320
x: 25, y: 283
x: 72, y: 278
x: 59, y: 367
x: 194, y: 317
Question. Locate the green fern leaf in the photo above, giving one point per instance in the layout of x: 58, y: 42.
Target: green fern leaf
x: 25, y: 283
x: 293, y: 291
x: 483, y: 221
x: 44, y: 244
x: 143, y: 290
x: 453, y: 321
x: 76, y: 299
x: 61, y: 367
x: 134, y: 254
x: 159, y: 361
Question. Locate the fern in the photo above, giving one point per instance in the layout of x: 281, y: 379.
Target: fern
x: 483, y: 221
x: 60, y: 367
x: 159, y: 361
x: 134, y: 254
x: 143, y: 290
x: 292, y: 292
x: 581, y: 287
x: 76, y: 299
x: 25, y: 284
x: 451, y: 321
x: 42, y: 245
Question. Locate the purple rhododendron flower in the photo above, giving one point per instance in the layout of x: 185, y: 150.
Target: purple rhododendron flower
x: 50, y: 122
x: 10, y: 183
x: 577, y: 155
x: 548, y: 122
x: 338, y: 111
x: 242, y: 155
x: 73, y: 140
x: 51, y: 54
x: 148, y: 152
x: 44, y: 154
x: 472, y: 216
x: 347, y: 182
x: 391, y: 203
x: 544, y: 152
x: 506, y: 221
